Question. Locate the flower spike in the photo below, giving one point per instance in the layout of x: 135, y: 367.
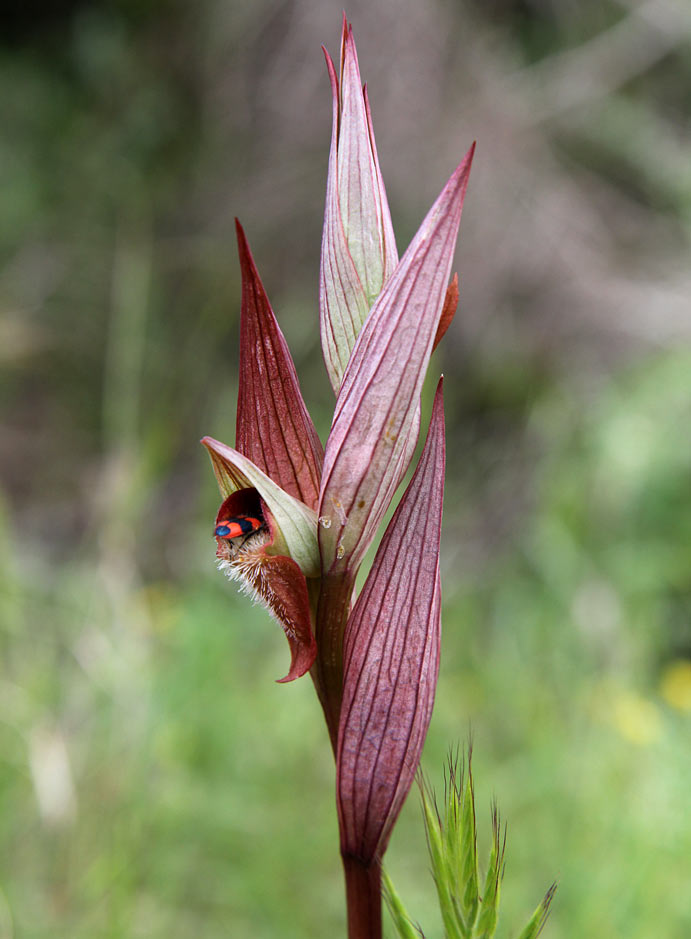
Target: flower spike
x: 297, y: 519
x: 391, y: 661
x: 358, y: 244
x: 273, y: 427
x: 376, y: 423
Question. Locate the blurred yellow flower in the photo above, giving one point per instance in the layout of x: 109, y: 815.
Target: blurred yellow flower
x: 675, y: 685
x: 636, y: 718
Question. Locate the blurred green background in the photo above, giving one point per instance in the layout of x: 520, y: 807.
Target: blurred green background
x: 154, y: 780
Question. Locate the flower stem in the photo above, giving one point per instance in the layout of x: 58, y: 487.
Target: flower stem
x: 327, y: 672
x: 363, y: 897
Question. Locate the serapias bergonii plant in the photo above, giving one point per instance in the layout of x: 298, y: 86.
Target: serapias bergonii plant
x: 297, y: 519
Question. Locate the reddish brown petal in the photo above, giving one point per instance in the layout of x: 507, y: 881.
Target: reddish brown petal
x: 274, y: 429
x: 448, y: 310
x: 280, y: 584
x: 391, y: 661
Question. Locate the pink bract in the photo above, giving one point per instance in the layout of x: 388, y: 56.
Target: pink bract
x: 391, y: 661
x: 376, y: 423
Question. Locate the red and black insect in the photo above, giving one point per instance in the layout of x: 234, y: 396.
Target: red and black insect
x: 240, y: 526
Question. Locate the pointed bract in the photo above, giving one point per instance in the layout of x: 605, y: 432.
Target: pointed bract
x: 375, y: 426
x: 362, y: 198
x: 342, y: 301
x: 295, y: 524
x: 358, y: 244
x: 274, y: 429
x: 391, y: 661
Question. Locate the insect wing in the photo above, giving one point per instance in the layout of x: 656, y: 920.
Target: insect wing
x: 242, y: 525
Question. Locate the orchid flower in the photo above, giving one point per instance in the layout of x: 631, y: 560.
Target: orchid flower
x: 273, y: 474
x: 296, y: 521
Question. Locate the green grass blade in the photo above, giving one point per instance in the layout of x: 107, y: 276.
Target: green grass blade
x: 469, y: 877
x: 405, y: 927
x: 539, y: 917
x: 489, y: 907
x: 443, y: 876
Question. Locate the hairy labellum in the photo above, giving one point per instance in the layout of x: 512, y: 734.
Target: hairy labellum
x: 234, y: 553
x: 244, y: 531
